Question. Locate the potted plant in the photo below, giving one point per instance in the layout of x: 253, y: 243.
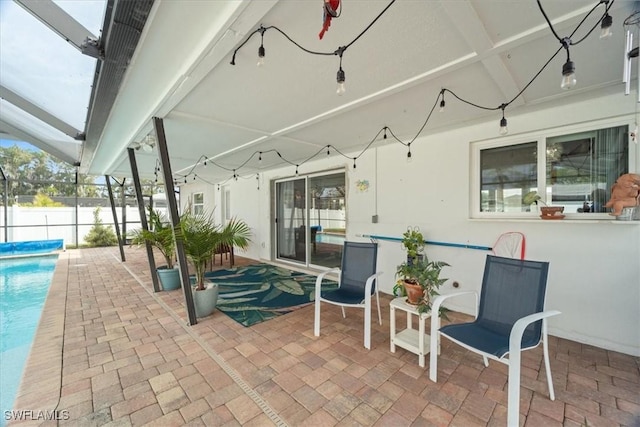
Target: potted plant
x: 160, y: 236
x: 546, y: 212
x: 413, y: 242
x: 201, y: 237
x: 418, y: 278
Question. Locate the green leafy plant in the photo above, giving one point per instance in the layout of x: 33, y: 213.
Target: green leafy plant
x: 201, y: 237
x: 418, y: 270
x: 413, y: 242
x: 532, y: 197
x: 100, y: 234
x: 159, y: 235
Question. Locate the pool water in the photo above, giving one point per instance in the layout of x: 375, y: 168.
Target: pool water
x: 24, y: 283
x: 336, y: 239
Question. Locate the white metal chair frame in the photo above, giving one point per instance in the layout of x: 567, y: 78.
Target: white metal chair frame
x: 513, y: 361
x: 366, y: 304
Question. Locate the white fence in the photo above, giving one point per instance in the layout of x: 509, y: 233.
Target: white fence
x: 35, y: 223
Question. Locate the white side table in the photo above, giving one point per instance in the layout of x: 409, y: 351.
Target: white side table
x: 414, y: 341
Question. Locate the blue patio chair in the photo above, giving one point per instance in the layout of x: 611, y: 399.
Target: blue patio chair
x: 356, y: 285
x: 510, y: 318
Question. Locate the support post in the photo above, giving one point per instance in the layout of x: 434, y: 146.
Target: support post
x: 158, y: 125
x: 115, y: 218
x: 143, y: 217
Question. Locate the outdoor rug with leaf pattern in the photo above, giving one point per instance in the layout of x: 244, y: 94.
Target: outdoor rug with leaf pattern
x: 255, y: 293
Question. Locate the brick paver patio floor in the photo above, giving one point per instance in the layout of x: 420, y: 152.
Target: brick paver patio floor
x: 109, y: 351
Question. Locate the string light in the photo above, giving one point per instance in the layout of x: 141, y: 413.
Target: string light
x: 340, y: 76
x: 341, y: 89
x: 503, y: 122
x: 568, y: 72
x: 261, y: 50
x: 605, y: 27
x: 568, y: 69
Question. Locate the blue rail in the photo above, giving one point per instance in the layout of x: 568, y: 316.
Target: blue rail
x: 430, y: 242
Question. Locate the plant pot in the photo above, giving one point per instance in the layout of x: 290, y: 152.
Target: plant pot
x: 205, y: 301
x: 414, y: 292
x: 551, y: 212
x: 169, y: 278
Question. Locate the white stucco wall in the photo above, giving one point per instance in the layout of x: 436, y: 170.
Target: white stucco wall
x: 594, y: 277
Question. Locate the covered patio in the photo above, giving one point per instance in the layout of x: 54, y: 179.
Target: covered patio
x: 418, y: 139
x: 110, y: 351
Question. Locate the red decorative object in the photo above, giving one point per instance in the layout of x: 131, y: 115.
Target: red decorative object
x: 330, y: 11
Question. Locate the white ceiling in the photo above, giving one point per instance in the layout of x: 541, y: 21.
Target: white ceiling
x: 484, y: 51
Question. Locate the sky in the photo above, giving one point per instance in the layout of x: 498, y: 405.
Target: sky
x: 41, y: 66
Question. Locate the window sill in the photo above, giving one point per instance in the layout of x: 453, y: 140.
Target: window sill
x: 559, y: 221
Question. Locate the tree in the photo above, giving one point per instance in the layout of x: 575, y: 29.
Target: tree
x: 42, y: 200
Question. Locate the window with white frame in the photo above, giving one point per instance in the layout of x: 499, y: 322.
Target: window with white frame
x: 574, y: 170
x: 198, y: 203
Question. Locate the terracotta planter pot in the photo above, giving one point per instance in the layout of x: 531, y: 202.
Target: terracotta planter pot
x: 551, y: 212
x: 415, y: 293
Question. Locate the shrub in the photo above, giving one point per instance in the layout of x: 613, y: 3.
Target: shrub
x: 100, y: 234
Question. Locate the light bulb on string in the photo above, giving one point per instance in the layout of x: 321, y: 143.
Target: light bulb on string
x: 409, y: 157
x: 568, y: 69
x: 261, y: 51
x: 328, y: 152
x: 605, y: 26
x: 384, y: 135
x: 341, y: 89
x: 260, y: 158
x: 503, y: 122
x: 296, y: 170
x: 568, y: 75
x: 354, y: 162
x: 340, y: 78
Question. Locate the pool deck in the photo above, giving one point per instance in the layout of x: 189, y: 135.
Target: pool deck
x: 108, y: 351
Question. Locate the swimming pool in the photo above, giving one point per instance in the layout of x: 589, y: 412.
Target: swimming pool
x: 24, y: 283
x: 336, y: 239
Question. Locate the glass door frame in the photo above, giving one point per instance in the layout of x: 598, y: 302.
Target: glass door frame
x: 306, y: 215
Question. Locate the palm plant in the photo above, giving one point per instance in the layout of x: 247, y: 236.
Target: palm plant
x: 159, y: 235
x: 201, y: 237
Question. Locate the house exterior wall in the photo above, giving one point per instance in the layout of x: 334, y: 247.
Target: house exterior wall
x: 594, y: 277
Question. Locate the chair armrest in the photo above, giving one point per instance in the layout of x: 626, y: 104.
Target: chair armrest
x: 437, y: 302
x: 369, y: 284
x: 320, y: 278
x: 515, y: 337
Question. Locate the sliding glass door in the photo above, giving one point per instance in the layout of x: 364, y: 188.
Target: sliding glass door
x: 291, y: 243
x: 311, y: 219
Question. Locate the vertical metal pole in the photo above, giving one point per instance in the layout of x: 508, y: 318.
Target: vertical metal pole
x: 143, y: 217
x: 115, y: 217
x: 77, y: 212
x: 124, y: 207
x: 6, y: 208
x: 175, y: 218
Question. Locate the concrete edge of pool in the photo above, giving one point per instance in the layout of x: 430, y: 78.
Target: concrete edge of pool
x: 41, y: 385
